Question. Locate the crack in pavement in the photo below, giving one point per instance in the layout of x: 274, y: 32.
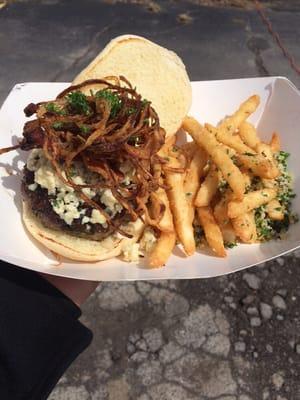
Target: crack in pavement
x: 256, y: 45
x: 88, y: 49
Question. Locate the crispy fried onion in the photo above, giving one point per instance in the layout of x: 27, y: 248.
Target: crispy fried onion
x: 115, y: 126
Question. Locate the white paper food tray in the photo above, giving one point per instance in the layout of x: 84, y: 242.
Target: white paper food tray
x: 279, y: 111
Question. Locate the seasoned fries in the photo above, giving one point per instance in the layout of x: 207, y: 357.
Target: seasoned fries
x: 258, y: 165
x: 274, y: 210
x: 265, y: 150
x: 275, y: 143
x: 250, y: 201
x: 245, y: 227
x: 208, y: 188
x: 179, y: 207
x: 218, y: 153
x: 232, y: 141
x: 248, y: 134
x: 221, y: 209
x: 192, y: 178
x: 232, y: 123
x: 170, y: 142
x: 228, y: 181
x: 159, y: 198
x: 212, y: 231
x: 162, y: 250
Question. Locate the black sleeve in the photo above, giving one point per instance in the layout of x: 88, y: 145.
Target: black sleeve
x: 40, y: 334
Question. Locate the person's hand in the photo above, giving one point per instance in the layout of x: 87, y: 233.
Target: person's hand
x: 77, y: 290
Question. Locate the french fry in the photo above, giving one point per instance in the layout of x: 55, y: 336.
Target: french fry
x: 159, y: 198
x: 232, y: 123
x: 258, y: 165
x: 179, y: 207
x: 221, y: 209
x: 208, y: 187
x: 265, y: 150
x: 248, y: 134
x: 228, y: 233
x: 221, y: 216
x: 233, y: 141
x: 229, y: 151
x: 269, y: 183
x: 275, y: 142
x: 218, y: 153
x: 212, y: 230
x: 229, y: 170
x: 192, y: 178
x: 250, y: 201
x: 162, y: 249
x: 274, y: 210
x: 245, y: 227
x: 169, y: 143
x: 247, y: 179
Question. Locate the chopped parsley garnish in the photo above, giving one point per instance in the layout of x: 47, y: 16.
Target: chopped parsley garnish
x: 263, y: 224
x: 57, y: 125
x: 282, y: 157
x: 285, y: 192
x: 267, y: 228
x: 145, y: 102
x: 234, y: 160
x: 113, y: 100
x: 77, y: 102
x: 249, y: 154
x: 230, y: 245
x: 54, y: 109
x: 131, y: 110
x: 188, y: 194
x: 85, y: 128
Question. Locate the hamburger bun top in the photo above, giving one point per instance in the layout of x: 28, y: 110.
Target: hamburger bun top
x: 158, y: 74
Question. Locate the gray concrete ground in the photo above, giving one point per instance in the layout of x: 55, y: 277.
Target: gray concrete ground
x: 230, y: 338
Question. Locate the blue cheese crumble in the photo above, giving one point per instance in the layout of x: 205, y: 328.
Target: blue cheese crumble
x: 65, y: 202
x: 129, y: 171
x: 133, y: 251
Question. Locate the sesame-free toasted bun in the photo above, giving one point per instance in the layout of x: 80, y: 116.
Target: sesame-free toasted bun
x: 76, y: 248
x: 158, y: 74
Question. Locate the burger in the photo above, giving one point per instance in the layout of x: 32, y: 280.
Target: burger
x: 94, y: 150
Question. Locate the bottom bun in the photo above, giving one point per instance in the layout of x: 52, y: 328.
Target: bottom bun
x: 76, y: 248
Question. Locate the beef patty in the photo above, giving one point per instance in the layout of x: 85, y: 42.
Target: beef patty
x: 39, y: 203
